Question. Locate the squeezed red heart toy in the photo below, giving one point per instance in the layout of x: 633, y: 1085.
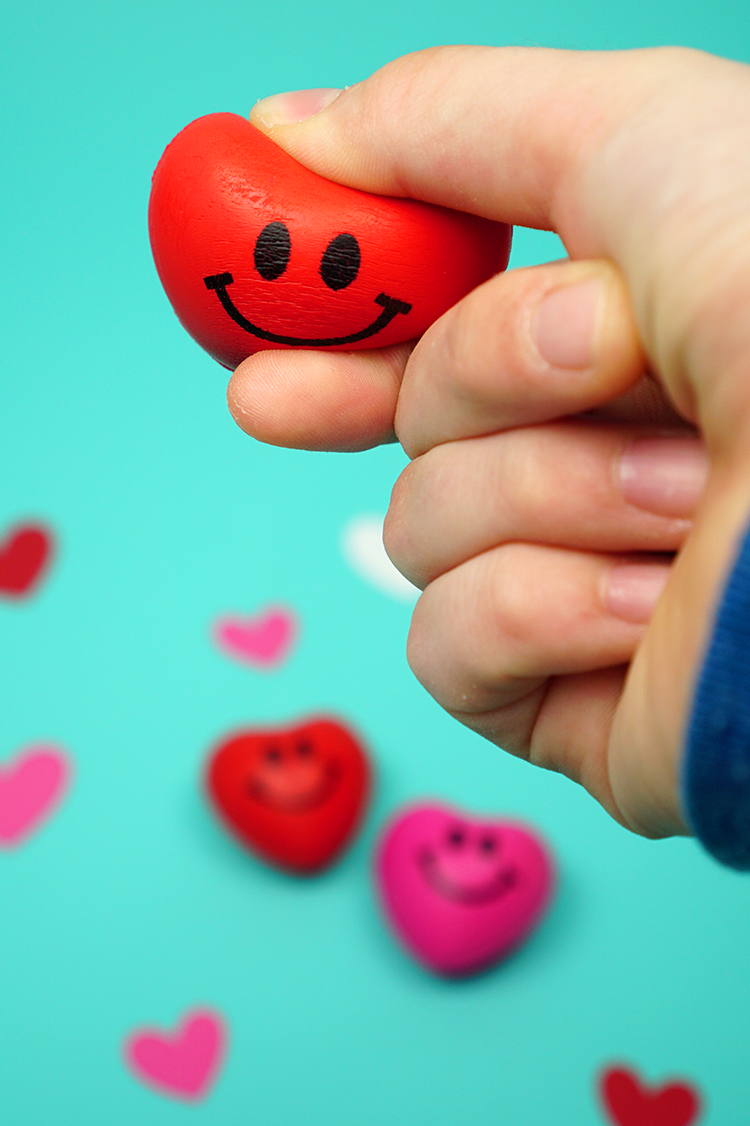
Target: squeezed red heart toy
x: 294, y: 795
x: 255, y: 251
x: 630, y: 1103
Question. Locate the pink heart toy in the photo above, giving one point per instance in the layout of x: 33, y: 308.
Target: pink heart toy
x: 264, y: 640
x: 184, y: 1063
x: 461, y: 893
x: 30, y: 788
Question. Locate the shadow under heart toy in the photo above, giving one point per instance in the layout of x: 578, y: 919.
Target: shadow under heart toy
x: 461, y: 893
x: 293, y: 795
x: 256, y: 251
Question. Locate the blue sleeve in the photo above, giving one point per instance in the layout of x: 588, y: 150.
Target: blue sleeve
x: 716, y: 769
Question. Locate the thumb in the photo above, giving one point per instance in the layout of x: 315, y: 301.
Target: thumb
x: 487, y: 130
x: 636, y: 156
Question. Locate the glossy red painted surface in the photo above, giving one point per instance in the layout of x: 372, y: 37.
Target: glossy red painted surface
x: 255, y: 251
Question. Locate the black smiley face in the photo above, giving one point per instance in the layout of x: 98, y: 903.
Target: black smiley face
x: 293, y: 778
x: 339, y: 267
x: 459, y: 843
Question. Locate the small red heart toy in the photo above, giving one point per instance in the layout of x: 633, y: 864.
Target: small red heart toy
x: 256, y: 251
x: 293, y: 795
x: 629, y: 1103
x: 23, y: 556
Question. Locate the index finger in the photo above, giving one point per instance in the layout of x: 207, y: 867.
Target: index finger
x: 494, y: 131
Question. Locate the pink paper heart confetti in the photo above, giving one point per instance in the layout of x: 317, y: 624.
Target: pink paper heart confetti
x: 183, y: 1063
x: 31, y: 786
x: 263, y: 640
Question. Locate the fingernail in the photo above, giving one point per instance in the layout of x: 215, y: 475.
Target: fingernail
x: 564, y: 326
x: 633, y: 589
x: 293, y: 107
x: 664, y: 475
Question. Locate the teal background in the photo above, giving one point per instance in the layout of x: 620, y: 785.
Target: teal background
x: 131, y: 906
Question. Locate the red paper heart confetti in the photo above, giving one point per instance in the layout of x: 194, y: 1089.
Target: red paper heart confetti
x: 24, y: 554
x: 629, y: 1102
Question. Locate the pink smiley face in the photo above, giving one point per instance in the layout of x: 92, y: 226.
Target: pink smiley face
x: 461, y: 893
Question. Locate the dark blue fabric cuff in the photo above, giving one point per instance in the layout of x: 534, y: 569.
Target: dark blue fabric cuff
x: 716, y: 771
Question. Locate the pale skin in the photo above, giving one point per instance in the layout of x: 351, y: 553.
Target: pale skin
x: 579, y: 431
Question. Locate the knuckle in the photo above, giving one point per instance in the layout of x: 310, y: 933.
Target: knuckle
x: 519, y: 487
x: 470, y: 341
x: 396, y: 524
x: 676, y: 57
x: 510, y: 604
x: 412, y: 514
x: 419, y: 652
x: 434, y: 653
x: 486, y: 343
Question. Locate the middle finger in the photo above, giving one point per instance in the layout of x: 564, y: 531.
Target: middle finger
x: 576, y: 484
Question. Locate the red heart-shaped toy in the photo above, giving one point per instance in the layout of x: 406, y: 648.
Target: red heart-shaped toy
x: 294, y: 795
x: 23, y: 557
x: 629, y: 1103
x: 256, y: 251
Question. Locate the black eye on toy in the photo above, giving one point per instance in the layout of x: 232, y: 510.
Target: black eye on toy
x: 340, y: 263
x: 272, y: 250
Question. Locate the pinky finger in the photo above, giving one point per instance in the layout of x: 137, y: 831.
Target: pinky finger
x: 564, y: 725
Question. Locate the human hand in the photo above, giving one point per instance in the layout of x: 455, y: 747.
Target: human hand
x: 519, y: 516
